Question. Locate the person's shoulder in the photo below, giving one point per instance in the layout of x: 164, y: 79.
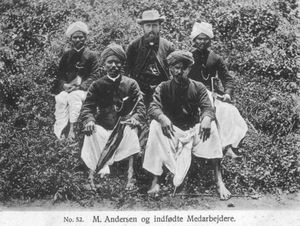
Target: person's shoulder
x: 165, y: 84
x: 128, y: 80
x: 100, y: 81
x: 197, y: 84
x: 214, y: 55
x: 135, y: 42
x: 66, y: 51
x: 90, y: 53
x: 166, y: 42
x: 125, y: 78
x: 194, y: 51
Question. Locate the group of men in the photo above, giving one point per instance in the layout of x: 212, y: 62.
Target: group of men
x: 177, y: 89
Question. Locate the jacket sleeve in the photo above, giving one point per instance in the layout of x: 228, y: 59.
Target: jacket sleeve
x: 94, y: 68
x: 155, y: 108
x: 171, y: 48
x: 225, y: 77
x: 62, y: 71
x: 204, y: 102
x: 140, y: 111
x: 130, y: 58
x: 89, y: 107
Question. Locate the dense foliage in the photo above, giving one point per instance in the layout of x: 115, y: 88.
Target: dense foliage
x: 256, y: 40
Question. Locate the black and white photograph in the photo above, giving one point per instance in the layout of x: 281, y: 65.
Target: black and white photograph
x: 149, y: 112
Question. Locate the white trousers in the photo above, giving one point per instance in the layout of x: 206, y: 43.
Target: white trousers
x: 176, y: 153
x: 93, y: 146
x: 231, y: 125
x: 67, y: 108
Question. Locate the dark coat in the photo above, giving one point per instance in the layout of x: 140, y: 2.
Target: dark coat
x: 104, y: 94
x: 83, y: 63
x: 183, y: 106
x: 208, y: 65
x: 137, y: 55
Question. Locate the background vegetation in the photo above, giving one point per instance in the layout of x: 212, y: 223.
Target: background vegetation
x: 256, y: 38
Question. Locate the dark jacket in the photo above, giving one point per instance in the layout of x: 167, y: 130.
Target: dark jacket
x: 137, y: 53
x: 104, y: 95
x: 208, y: 65
x: 83, y: 63
x: 183, y: 106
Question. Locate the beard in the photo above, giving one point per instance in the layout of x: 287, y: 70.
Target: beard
x: 151, y: 37
x: 181, y: 81
x: 113, y: 72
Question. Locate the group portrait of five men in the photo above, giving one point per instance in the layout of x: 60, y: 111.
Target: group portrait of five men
x: 183, y: 99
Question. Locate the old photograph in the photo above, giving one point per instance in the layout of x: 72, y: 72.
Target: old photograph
x: 120, y: 106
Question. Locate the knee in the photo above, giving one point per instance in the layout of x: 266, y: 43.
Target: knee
x: 62, y: 97
x: 154, y: 125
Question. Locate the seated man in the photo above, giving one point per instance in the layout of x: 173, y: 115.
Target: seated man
x: 208, y: 69
x: 106, y: 101
x: 183, y: 125
x: 77, y: 69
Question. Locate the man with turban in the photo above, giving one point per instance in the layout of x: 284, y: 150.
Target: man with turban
x: 182, y: 125
x: 208, y: 69
x: 108, y: 98
x: 78, y: 67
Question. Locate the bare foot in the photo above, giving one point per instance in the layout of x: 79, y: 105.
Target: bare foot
x: 223, y: 191
x: 92, y: 185
x: 71, y: 136
x: 154, y: 189
x: 231, y: 154
x: 130, y: 186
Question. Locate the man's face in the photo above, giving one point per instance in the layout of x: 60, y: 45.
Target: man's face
x: 202, y: 42
x: 151, y: 30
x: 78, y: 39
x: 180, y: 72
x: 113, y: 66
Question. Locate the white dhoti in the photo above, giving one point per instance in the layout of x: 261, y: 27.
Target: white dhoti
x: 67, y: 108
x: 231, y: 125
x: 176, y: 153
x: 93, y: 146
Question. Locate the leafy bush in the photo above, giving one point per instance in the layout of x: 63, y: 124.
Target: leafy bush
x: 257, y: 41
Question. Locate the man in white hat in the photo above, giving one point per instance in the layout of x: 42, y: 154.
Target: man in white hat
x: 78, y: 67
x: 146, y: 55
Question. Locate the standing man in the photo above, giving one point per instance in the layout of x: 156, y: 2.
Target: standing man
x: 183, y: 124
x: 209, y: 68
x: 77, y: 69
x: 146, y: 56
x: 110, y: 97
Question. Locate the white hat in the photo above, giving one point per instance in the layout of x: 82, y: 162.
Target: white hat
x: 77, y: 26
x: 202, y: 27
x: 151, y: 15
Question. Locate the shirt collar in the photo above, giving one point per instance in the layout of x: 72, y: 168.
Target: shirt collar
x: 78, y: 50
x: 113, y: 79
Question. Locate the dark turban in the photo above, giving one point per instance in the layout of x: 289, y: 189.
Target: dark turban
x: 113, y: 50
x: 180, y: 56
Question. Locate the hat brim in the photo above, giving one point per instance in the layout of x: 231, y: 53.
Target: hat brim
x: 160, y: 20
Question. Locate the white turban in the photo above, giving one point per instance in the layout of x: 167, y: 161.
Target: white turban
x: 77, y: 26
x: 202, y: 27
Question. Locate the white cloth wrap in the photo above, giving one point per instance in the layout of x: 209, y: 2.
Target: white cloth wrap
x: 231, y: 125
x: 93, y: 146
x: 175, y: 153
x: 77, y: 26
x: 67, y: 108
